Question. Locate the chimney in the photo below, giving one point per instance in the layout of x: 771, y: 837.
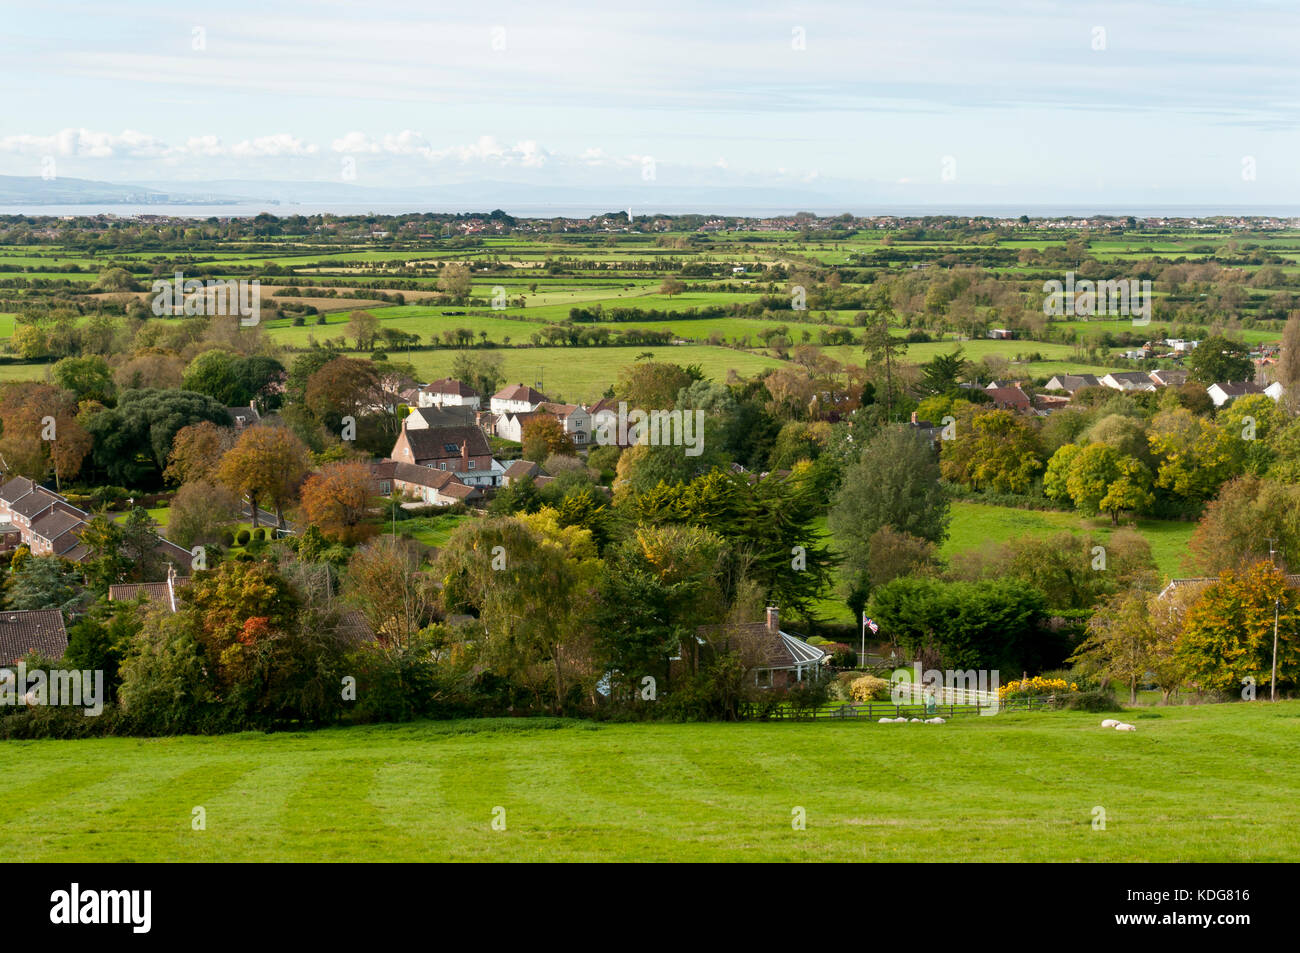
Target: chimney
x: 914, y: 416
x: 171, y: 586
x: 773, y: 619
x: 464, y: 457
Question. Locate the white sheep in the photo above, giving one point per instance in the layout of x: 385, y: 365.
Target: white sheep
x: 1110, y: 723
x: 934, y: 721
x: 916, y: 721
x: 885, y: 721
x: 1125, y: 727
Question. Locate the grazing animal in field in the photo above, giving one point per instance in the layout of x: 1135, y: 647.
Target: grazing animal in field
x: 1110, y: 723
x: 1124, y: 727
x: 934, y: 721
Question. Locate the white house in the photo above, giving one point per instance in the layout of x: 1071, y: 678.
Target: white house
x: 516, y: 399
x: 574, y: 418
x: 1222, y: 393
x: 448, y: 392
x: 1128, y: 380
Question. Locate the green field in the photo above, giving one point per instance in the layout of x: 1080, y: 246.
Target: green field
x: 1013, y: 787
x: 977, y: 524
x: 583, y: 374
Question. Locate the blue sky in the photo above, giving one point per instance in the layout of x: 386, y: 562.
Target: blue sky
x: 928, y: 101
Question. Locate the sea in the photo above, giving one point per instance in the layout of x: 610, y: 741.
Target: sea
x: 250, y: 209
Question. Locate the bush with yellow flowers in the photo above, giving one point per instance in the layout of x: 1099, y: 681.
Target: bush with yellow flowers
x: 1036, y: 686
x: 868, y: 688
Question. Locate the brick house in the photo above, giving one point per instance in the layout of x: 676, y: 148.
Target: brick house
x: 23, y: 631
x: 774, y: 659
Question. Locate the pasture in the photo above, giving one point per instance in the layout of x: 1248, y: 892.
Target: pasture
x: 1011, y: 787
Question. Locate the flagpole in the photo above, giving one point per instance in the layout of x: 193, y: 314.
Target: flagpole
x: 863, y: 656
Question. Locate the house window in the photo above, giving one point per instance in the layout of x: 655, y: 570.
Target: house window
x: 472, y: 464
x: 442, y: 466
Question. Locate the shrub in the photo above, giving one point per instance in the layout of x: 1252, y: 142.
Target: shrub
x: 868, y: 688
x: 1096, y: 700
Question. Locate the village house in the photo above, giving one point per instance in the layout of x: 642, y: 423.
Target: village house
x: 516, y: 399
x: 447, y: 392
x: 436, y: 487
x: 1072, y: 383
x: 155, y: 593
x: 244, y: 416
x: 1169, y: 377
x: 1222, y: 393
x: 1128, y: 381
x: 1010, y: 398
x: 774, y: 659
x: 23, y: 631
x: 462, y: 451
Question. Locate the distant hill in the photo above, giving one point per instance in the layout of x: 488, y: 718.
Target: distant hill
x: 34, y: 190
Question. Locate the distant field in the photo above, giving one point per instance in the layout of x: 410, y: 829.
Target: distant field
x: 583, y: 374
x: 1012, y: 787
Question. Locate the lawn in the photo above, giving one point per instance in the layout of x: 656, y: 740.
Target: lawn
x: 1013, y: 787
x: 975, y: 524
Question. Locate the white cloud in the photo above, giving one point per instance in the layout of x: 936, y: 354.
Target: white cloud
x: 281, y: 144
x: 86, y: 143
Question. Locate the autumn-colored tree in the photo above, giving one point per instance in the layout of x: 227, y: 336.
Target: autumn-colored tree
x: 1194, y: 455
x: 544, y: 435
x: 363, y: 328
x: 1120, y: 641
x: 41, y: 432
x: 385, y: 583
x: 200, y: 512
x: 1246, y: 519
x: 993, y: 449
x: 1228, y: 635
x: 526, y: 589
x: 345, y: 387
x: 652, y: 385
x: 197, y: 451
x: 455, y: 280
x: 338, y: 499
x: 266, y: 464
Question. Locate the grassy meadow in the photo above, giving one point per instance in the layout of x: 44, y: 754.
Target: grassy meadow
x: 1012, y: 787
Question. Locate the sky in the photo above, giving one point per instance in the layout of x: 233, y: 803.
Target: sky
x: 917, y: 100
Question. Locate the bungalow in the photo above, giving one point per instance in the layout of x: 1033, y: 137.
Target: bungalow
x: 516, y: 399
x: 23, y: 631
x: 775, y: 659
x: 1128, y: 381
x: 1200, y: 582
x: 1169, y: 377
x: 1072, y: 383
x: 1001, y: 334
x: 1222, y: 393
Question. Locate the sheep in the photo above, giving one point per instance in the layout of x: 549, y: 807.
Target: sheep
x: 1110, y: 723
x: 885, y: 721
x: 1125, y: 727
x: 915, y: 721
x: 934, y: 721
